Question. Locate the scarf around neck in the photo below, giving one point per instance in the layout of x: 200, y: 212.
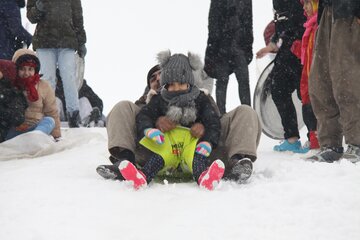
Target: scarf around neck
x: 29, y: 85
x: 182, y: 109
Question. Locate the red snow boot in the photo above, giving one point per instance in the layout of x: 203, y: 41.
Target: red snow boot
x: 212, y: 175
x: 314, y: 142
x: 132, y: 174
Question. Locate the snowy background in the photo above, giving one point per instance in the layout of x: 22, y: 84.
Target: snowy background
x: 53, y: 192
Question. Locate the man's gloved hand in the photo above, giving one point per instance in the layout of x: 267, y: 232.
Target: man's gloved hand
x: 203, y: 148
x: 154, y: 134
x: 165, y: 124
x: 197, y: 130
x: 82, y: 51
x: 40, y: 6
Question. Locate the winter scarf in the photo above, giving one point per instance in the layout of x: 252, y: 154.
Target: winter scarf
x: 308, y: 38
x: 29, y: 84
x: 181, y: 104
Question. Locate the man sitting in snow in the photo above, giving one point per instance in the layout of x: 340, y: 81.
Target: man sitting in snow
x: 239, y: 137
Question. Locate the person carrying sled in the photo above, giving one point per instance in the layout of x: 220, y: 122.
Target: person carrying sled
x: 229, y: 47
x: 182, y: 102
x: 334, y: 84
x: 307, y: 45
x: 286, y: 73
x: 42, y: 113
x: 12, y: 101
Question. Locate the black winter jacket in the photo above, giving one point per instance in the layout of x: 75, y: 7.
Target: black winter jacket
x: 289, y: 19
x: 230, y: 34
x: 341, y: 8
x: 12, y: 107
x: 60, y: 25
x: 12, y: 34
x: 206, y: 114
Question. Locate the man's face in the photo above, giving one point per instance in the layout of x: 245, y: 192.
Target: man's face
x: 155, y: 80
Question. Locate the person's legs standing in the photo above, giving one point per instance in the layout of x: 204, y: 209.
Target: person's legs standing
x: 321, y: 93
x: 48, y: 60
x: 221, y: 91
x: 242, y: 75
x: 67, y: 67
x: 285, y: 78
x: 345, y: 76
x: 321, y: 87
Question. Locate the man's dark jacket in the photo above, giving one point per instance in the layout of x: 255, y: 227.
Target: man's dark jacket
x: 12, y: 34
x: 230, y: 35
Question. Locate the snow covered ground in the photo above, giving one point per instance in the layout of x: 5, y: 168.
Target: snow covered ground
x: 60, y: 196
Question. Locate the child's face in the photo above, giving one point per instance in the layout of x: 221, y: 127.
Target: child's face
x: 175, y: 86
x: 26, y: 71
x: 308, y: 8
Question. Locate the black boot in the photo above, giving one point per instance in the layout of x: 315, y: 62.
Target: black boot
x: 240, y: 169
x: 74, y: 120
x: 110, y: 172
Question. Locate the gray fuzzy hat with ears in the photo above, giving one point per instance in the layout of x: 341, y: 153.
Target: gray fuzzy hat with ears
x: 177, y: 67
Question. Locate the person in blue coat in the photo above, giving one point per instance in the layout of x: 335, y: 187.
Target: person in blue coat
x: 12, y: 34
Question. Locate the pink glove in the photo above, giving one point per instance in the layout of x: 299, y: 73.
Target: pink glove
x: 154, y: 134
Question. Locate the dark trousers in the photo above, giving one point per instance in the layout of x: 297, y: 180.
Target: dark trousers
x: 285, y: 79
x: 242, y: 76
x: 309, y: 118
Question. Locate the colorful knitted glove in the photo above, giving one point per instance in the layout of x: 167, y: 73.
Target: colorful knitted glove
x: 154, y: 134
x: 203, y: 148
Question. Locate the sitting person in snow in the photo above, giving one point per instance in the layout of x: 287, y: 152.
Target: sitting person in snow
x: 12, y: 101
x: 91, y: 105
x: 42, y: 113
x: 239, y: 138
x: 185, y: 105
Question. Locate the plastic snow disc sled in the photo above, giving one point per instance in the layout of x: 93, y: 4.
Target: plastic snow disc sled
x: 266, y: 109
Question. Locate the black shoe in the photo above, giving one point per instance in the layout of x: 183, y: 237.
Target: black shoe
x: 352, y: 153
x: 74, y: 119
x: 328, y: 154
x: 241, y: 170
x: 109, y: 172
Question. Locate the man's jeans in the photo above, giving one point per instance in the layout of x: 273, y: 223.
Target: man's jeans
x: 46, y: 125
x: 65, y: 60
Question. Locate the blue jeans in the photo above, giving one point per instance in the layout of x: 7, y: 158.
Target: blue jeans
x: 65, y: 60
x: 46, y: 125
